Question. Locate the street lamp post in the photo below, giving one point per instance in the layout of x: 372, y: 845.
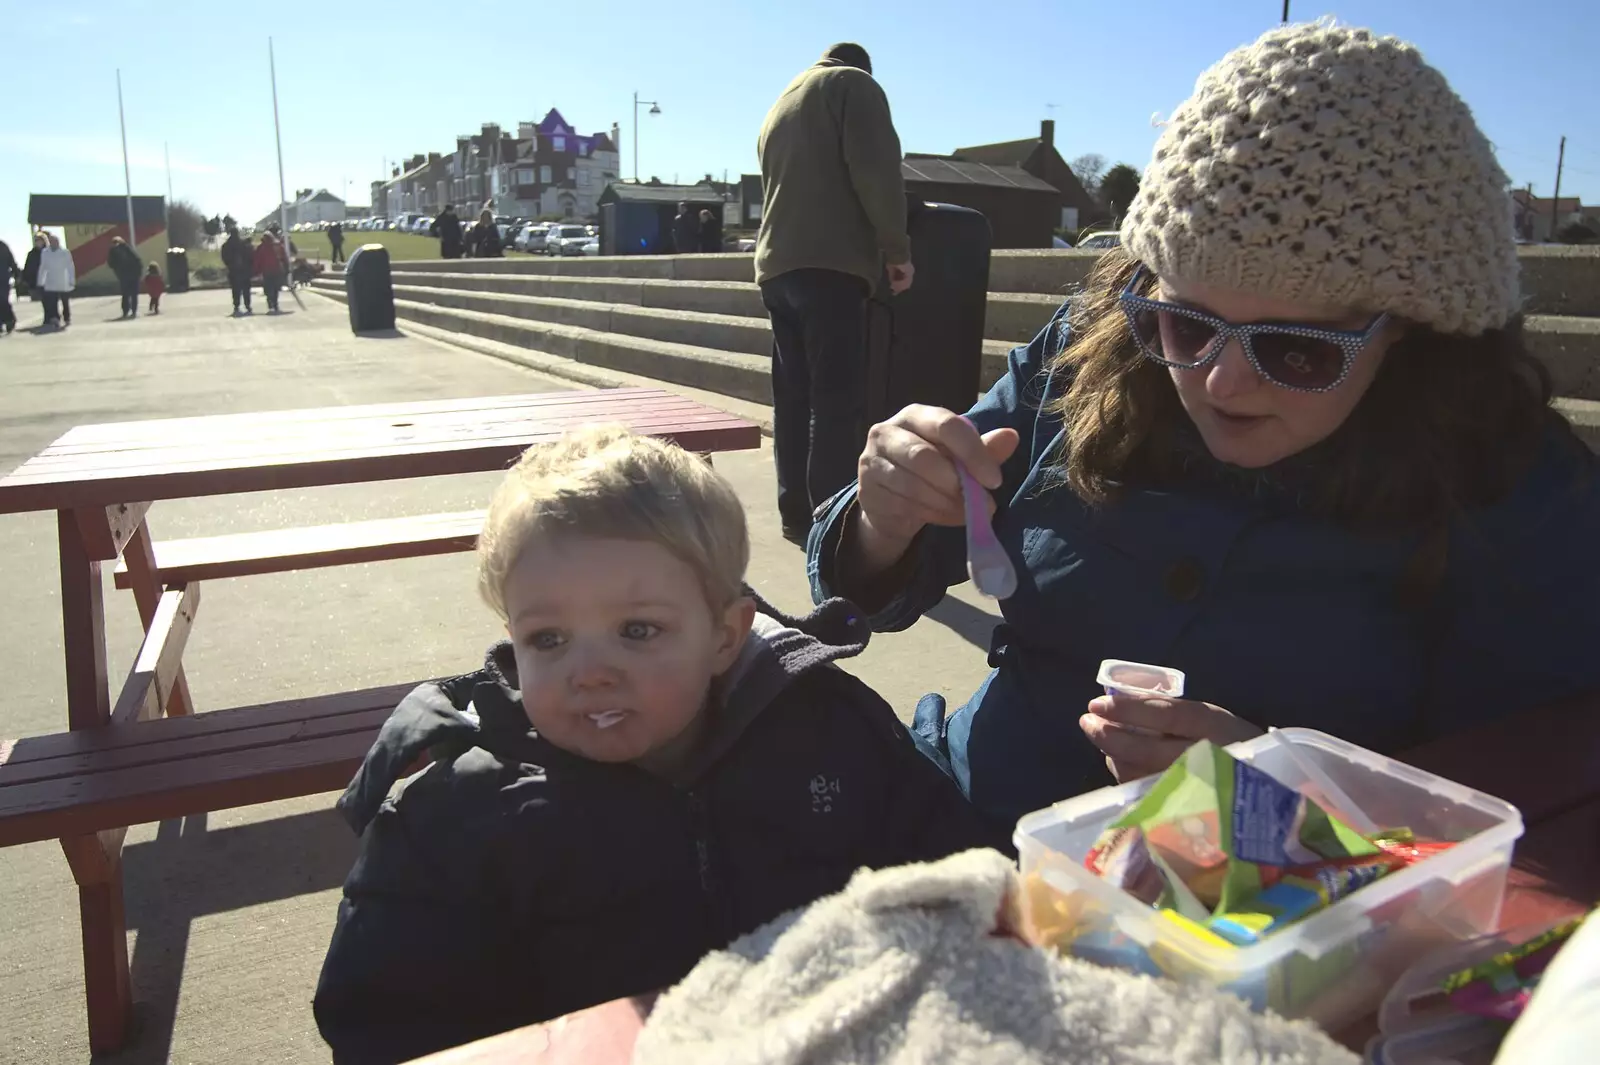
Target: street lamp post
x: 655, y: 109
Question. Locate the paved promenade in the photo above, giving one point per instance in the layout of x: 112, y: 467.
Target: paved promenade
x: 229, y: 914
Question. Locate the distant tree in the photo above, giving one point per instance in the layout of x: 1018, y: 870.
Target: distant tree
x: 1118, y: 188
x: 213, y: 226
x: 1089, y: 168
x: 1577, y: 233
x: 185, y: 225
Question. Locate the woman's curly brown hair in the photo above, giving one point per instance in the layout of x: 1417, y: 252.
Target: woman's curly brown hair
x: 1449, y: 422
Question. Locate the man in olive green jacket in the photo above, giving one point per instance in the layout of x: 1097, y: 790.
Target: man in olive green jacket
x: 834, y: 216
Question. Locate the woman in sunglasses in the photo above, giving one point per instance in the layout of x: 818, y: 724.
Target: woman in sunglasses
x: 1289, y: 441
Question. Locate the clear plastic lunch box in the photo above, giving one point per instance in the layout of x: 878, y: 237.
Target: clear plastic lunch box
x: 1335, y: 966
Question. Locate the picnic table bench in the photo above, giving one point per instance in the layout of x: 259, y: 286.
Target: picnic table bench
x: 143, y: 755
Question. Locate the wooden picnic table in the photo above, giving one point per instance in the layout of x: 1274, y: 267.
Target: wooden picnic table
x: 101, y: 480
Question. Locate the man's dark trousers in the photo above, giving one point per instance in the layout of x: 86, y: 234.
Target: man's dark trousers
x: 819, y: 379
x: 241, y: 290
x: 130, y: 294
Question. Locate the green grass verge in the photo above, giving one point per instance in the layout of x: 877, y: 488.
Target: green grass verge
x: 315, y: 247
x: 402, y: 246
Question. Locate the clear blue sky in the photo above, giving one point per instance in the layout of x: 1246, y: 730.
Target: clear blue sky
x: 359, y: 83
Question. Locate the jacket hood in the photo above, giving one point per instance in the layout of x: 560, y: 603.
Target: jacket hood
x: 445, y: 718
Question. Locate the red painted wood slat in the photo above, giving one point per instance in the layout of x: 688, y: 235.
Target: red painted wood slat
x: 180, y: 748
x: 82, y: 741
x: 315, y: 547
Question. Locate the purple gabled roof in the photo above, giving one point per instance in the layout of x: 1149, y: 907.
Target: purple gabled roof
x: 555, y: 124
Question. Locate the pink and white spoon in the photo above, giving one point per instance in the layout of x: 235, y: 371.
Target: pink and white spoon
x: 987, y: 562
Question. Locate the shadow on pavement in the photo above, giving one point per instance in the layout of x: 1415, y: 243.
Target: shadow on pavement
x: 381, y: 334
x: 188, y: 872
x: 965, y: 620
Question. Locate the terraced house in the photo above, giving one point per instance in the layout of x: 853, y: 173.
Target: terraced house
x: 555, y: 170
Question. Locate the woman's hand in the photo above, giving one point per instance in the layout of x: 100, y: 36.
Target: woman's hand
x: 908, y: 479
x: 1140, y: 735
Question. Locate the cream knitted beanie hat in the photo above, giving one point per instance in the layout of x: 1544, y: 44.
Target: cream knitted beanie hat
x: 1332, y: 165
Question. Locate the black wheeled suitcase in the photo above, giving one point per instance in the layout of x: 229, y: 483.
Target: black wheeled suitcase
x: 369, y: 289
x: 926, y: 344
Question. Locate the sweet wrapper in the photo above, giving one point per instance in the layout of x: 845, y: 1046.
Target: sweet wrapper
x: 1227, y: 830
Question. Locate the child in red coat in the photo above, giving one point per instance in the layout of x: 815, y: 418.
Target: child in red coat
x: 154, y: 286
x: 271, y: 266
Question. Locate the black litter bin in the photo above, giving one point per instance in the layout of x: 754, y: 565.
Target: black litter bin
x: 368, y: 289
x: 926, y: 344
x: 177, y: 270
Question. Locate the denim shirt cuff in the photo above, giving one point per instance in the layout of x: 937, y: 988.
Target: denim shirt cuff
x: 920, y: 577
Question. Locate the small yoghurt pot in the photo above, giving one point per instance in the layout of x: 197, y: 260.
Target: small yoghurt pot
x: 1137, y: 678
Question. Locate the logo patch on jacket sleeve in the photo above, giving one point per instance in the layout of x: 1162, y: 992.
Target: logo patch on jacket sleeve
x: 825, y: 791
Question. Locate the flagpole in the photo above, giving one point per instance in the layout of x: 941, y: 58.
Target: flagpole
x: 127, y: 179
x: 277, y: 133
x: 166, y: 157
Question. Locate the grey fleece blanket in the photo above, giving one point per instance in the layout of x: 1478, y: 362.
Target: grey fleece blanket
x: 904, y: 966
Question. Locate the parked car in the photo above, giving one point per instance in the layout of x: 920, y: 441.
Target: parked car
x: 534, y: 236
x: 1105, y: 239
x: 592, y: 246
x: 566, y: 240
x: 513, y: 232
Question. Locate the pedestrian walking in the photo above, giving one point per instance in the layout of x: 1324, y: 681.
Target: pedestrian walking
x: 835, y: 214
x: 336, y: 241
x: 710, y: 232
x: 269, y: 263
x: 124, y: 262
x: 30, y: 270
x: 154, y: 286
x: 58, y: 276
x: 8, y: 271
x: 483, y: 239
x: 685, y: 231
x: 447, y: 227
x: 239, y: 259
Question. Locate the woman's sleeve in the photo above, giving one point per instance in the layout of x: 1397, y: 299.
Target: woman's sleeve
x: 937, y: 558
x: 1521, y: 608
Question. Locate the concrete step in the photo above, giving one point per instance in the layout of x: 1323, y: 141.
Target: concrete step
x: 1014, y: 316
x: 734, y: 333
x: 731, y: 267
x: 1584, y: 414
x: 1570, y: 349
x: 593, y: 376
x: 731, y: 373
x: 715, y: 297
x: 1568, y: 345
x: 587, y: 355
x: 1556, y: 279
x: 725, y: 332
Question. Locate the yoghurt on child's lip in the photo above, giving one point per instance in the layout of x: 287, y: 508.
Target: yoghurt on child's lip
x: 1137, y: 678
